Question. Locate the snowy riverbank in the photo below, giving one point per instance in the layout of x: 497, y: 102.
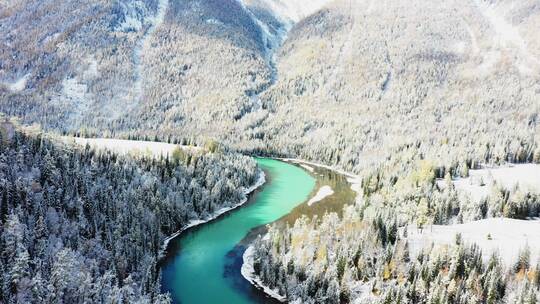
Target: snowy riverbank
x: 248, y: 272
x: 260, y: 181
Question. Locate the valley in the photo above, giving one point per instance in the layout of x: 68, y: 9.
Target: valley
x: 254, y: 151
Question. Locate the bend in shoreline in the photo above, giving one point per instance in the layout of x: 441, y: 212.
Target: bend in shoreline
x: 247, y: 269
x: 261, y: 180
x: 248, y: 272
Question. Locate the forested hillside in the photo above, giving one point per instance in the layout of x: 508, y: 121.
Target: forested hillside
x: 364, y: 79
x: 77, y: 225
x: 343, y: 82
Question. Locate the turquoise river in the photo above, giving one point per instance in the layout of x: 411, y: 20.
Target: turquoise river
x: 203, y: 263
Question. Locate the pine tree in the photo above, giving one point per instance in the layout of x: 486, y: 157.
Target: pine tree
x: 523, y: 263
x: 4, y: 208
x: 19, y: 269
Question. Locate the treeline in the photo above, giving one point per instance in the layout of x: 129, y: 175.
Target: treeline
x: 81, y: 226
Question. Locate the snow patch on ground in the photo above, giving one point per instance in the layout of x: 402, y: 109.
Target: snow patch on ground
x: 132, y: 147
x: 260, y: 181
x: 92, y: 70
x: 248, y: 272
x: 480, y: 182
x: 214, y: 21
x: 489, y: 61
x: 362, y: 292
x: 323, y: 192
x: 73, y: 89
x: 508, y: 237
x: 74, y: 95
x: 19, y: 84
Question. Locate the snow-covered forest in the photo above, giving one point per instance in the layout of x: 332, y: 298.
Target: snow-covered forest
x: 85, y: 226
x: 379, y: 250
x: 433, y: 105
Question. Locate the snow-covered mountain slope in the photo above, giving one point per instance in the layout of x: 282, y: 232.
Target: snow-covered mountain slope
x: 427, y: 68
x: 302, y: 77
x: 275, y: 18
x: 95, y: 46
x: 298, y: 10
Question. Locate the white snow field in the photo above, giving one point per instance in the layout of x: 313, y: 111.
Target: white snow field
x: 323, y: 192
x: 132, y: 147
x: 308, y: 168
x: 19, y: 84
x: 479, y: 183
x: 507, y: 237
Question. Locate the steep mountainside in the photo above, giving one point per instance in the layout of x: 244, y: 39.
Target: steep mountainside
x: 367, y: 77
x: 308, y: 79
x: 74, y: 63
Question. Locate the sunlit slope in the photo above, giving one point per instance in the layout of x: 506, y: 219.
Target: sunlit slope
x: 368, y: 77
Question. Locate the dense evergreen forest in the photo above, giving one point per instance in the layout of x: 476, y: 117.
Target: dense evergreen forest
x: 363, y: 261
x: 364, y: 255
x: 78, y: 226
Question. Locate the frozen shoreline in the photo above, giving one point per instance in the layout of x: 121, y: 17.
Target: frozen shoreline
x: 248, y: 272
x: 260, y: 181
